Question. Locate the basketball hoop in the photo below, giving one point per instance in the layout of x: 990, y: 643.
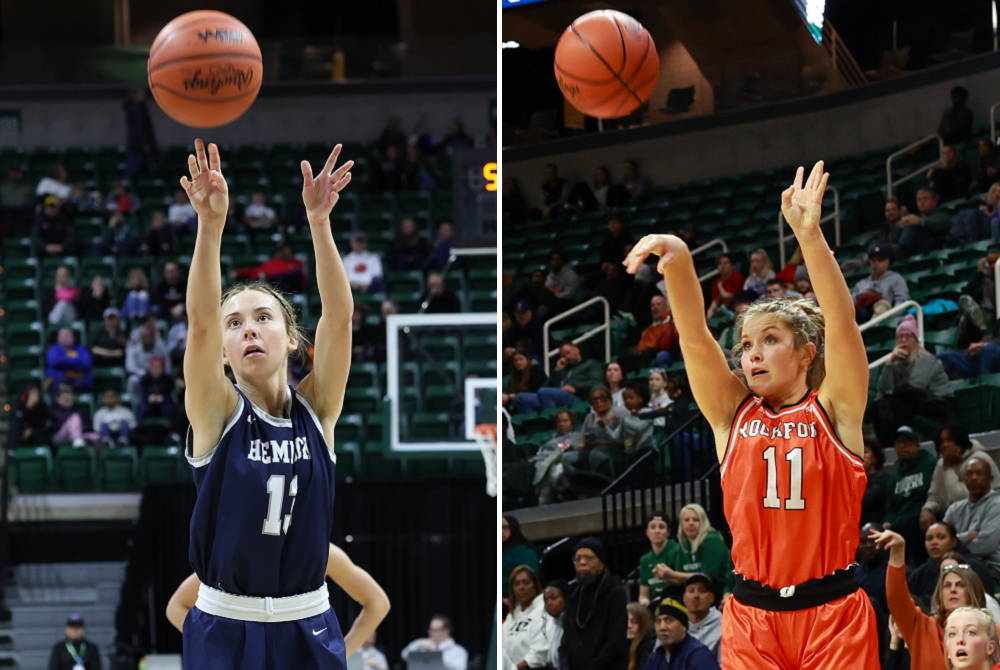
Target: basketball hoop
x: 486, y: 436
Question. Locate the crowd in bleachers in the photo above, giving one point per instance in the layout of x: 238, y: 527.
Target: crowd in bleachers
x: 95, y: 271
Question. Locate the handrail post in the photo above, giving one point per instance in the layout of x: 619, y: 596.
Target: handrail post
x: 993, y: 130
x: 902, y: 307
x: 996, y: 284
x: 889, y: 183
x: 546, y: 354
x: 781, y: 237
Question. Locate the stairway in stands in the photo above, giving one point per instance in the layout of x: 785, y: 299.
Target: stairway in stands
x: 41, y: 596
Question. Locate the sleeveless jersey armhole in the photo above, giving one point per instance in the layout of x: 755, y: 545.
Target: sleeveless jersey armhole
x: 832, y: 432
x: 737, y: 417
x: 204, y: 460
x: 319, y: 426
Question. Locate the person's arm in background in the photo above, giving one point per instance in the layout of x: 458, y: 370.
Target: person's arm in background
x: 182, y: 601
x: 907, y: 615
x: 900, y: 291
x: 616, y: 646
x: 455, y: 658
x: 360, y: 586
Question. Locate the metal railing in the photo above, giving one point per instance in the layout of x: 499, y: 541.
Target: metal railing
x: 993, y: 125
x: 996, y: 284
x: 452, y: 257
x: 835, y: 216
x: 605, y: 328
x: 889, y: 183
x: 841, y: 56
x: 898, y: 309
x: 717, y: 242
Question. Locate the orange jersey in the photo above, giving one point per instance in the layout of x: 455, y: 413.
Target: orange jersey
x: 791, y: 492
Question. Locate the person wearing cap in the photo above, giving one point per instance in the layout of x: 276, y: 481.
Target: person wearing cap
x: 912, y: 383
x: 675, y: 648
x: 595, y: 622
x: 883, y: 285
x: 525, y: 330
x: 977, y: 518
x: 907, y: 491
x: 704, y: 619
x: 52, y: 233
x: 364, y: 268
x: 75, y: 652
x: 663, y: 552
x: 108, y: 343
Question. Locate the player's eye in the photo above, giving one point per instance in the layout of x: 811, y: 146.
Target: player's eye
x: 232, y: 322
x: 771, y: 339
x: 746, y: 346
x: 264, y: 316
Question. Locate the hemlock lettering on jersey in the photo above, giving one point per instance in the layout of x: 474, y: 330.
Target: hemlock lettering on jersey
x: 909, y: 483
x: 785, y: 430
x: 279, y: 451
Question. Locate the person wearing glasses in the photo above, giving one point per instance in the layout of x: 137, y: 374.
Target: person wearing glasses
x: 955, y: 558
x: 453, y: 655
x: 958, y: 586
x: 595, y: 621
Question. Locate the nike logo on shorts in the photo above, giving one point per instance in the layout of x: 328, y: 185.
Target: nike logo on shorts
x: 317, y: 632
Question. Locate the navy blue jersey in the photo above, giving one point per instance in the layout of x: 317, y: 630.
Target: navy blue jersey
x: 262, y: 522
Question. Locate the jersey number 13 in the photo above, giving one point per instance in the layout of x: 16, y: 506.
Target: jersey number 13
x: 275, y: 497
x: 795, y: 501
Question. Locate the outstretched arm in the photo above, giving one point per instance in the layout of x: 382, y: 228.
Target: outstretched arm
x: 845, y: 392
x: 332, y: 358
x: 364, y: 590
x: 716, y: 389
x: 182, y: 601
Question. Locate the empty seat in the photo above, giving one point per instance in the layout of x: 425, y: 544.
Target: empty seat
x: 75, y: 469
x: 160, y: 464
x: 31, y: 469
x: 119, y: 469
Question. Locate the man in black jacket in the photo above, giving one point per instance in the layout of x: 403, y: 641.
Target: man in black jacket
x: 75, y: 653
x: 595, y: 622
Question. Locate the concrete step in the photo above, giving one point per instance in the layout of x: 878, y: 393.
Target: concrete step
x: 68, y: 574
x: 39, y: 638
x: 105, y: 593
x: 54, y: 616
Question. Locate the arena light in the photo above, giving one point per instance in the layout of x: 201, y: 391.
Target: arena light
x: 510, y: 44
x: 813, y: 13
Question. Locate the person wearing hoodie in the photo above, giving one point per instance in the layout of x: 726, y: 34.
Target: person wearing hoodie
x: 704, y: 620
x: 907, y: 491
x: 524, y: 636
x: 641, y: 635
x: 955, y: 448
x: 977, y: 517
x: 516, y: 550
x: 595, y: 622
x: 555, y: 604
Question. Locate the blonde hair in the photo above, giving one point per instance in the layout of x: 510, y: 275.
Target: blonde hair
x: 973, y: 585
x: 803, y: 317
x: 703, y: 531
x: 642, y: 617
x: 292, y: 326
x: 768, y: 265
x: 986, y: 621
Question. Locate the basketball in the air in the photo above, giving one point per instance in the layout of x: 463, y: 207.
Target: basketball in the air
x: 606, y: 64
x: 205, y: 69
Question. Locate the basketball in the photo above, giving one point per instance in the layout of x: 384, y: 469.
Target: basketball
x: 205, y: 69
x: 606, y: 64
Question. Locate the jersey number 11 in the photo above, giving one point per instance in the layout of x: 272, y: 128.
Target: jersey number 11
x: 795, y: 501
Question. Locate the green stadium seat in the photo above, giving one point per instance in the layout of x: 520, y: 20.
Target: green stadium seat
x: 411, y: 400
x: 362, y: 400
x: 364, y: 375
x: 426, y: 426
x: 481, y: 368
x: 441, y: 347
x: 408, y: 281
x: 377, y: 465
x: 348, y: 459
x: 31, y: 469
x: 22, y: 289
x: 483, y: 280
x: 23, y: 311
x: 444, y: 372
x: 942, y: 340
x: 349, y: 428
x: 439, y: 398
x: 119, y: 469
x: 26, y: 358
x: 75, y: 469
x: 109, y: 378
x: 481, y: 301
x: 161, y: 464
x: 25, y: 334
x: 17, y: 268
x: 480, y: 347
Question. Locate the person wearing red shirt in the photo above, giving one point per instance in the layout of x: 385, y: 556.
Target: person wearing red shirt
x: 284, y: 270
x: 725, y: 288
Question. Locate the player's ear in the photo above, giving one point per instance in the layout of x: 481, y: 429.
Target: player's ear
x: 809, y: 353
x: 225, y: 359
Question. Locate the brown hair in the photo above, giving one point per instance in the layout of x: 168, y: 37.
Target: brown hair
x: 292, y: 326
x: 803, y: 317
x: 645, y: 620
x: 519, y: 378
x: 536, y: 581
x: 977, y: 596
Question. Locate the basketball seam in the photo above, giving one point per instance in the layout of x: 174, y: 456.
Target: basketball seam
x: 642, y: 62
x: 211, y: 56
x: 581, y: 79
x: 188, y: 25
x: 212, y: 100
x: 601, y: 58
x: 621, y: 35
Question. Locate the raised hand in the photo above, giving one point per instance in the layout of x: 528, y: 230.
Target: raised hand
x: 319, y: 195
x: 207, y: 189
x: 667, y: 247
x: 887, y: 539
x: 801, y: 204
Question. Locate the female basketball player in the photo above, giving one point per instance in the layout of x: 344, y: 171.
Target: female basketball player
x: 262, y: 455
x: 356, y: 582
x: 791, y: 451
x: 971, y: 641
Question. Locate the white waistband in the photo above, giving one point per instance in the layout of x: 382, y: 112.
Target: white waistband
x: 264, y: 610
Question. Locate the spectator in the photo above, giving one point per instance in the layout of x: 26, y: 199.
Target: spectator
x: 455, y: 657
x: 971, y: 640
x: 981, y: 286
x: 897, y: 656
x: 95, y: 300
x: 137, y: 301
x: 171, y: 291
x: 177, y: 335
x: 181, y: 214
x: 515, y: 550
x: 555, y: 604
x: 140, y: 140
x: 888, y: 235
x: 725, y: 288
x: 141, y: 347
x: 595, y: 623
x: 977, y: 518
x: 987, y: 162
x: 956, y: 122
x: 614, y: 378
x: 84, y: 202
x: 408, y: 250
x: 439, y: 299
x: 35, y: 424
x: 603, y: 452
x: 881, y: 291
x: 525, y: 330
x: 514, y: 208
x: 637, y: 186
x: 118, y: 238
x: 364, y: 268
x: 108, y: 346
x: 283, y: 271
x: 393, y: 136
x: 922, y: 230
x: 387, y: 173
x: 941, y: 540
x: 371, y: 656
x: 608, y: 194
x: 702, y: 549
x: 761, y: 271
x: 535, y: 292
x: 555, y: 191
x: 870, y: 573
x: 418, y: 173
x: 73, y: 421
x: 803, y: 287
x: 258, y: 217
x: 456, y: 138
x: 570, y: 381
x: 122, y: 200
x: 617, y: 242
x: 659, y: 393
x: 525, y: 376
x: 641, y: 635
x: 15, y: 193
x: 524, y: 632
x: 364, y: 336
x: 441, y: 250
x: 155, y: 390
x: 913, y: 383
x: 68, y: 363
x: 776, y: 289
x: 873, y: 503
x: 112, y: 421
x: 159, y: 238
x: 704, y: 620
x: 613, y: 287
x: 670, y: 417
x: 61, y: 302
x: 549, y: 475
x: 55, y: 183
x: 951, y: 177
x: 75, y: 652
x: 953, y: 558
x: 907, y: 490
x: 955, y: 448
x: 660, y: 342
x: 683, y: 650
x: 728, y: 338
x: 562, y: 281
x: 663, y: 552
x: 52, y: 233
x: 234, y: 218
x: 977, y: 224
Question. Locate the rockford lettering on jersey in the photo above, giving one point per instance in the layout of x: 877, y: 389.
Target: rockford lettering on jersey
x: 784, y: 430
x: 909, y: 483
x: 275, y: 451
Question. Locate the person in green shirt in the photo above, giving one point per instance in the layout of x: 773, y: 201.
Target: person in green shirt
x: 701, y: 549
x: 906, y: 492
x: 664, y: 552
x: 516, y: 551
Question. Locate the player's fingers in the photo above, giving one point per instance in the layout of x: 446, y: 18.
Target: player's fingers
x: 219, y: 181
x: 342, y: 170
x: 786, y: 197
x: 214, y: 163
x: 332, y: 160
x: 307, y: 173
x: 186, y: 185
x: 797, y: 184
x: 811, y: 181
x: 193, y: 166
x: 822, y: 184
x: 199, y: 150
x: 339, y: 185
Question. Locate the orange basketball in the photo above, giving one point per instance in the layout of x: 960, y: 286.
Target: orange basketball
x: 606, y: 64
x: 205, y: 69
